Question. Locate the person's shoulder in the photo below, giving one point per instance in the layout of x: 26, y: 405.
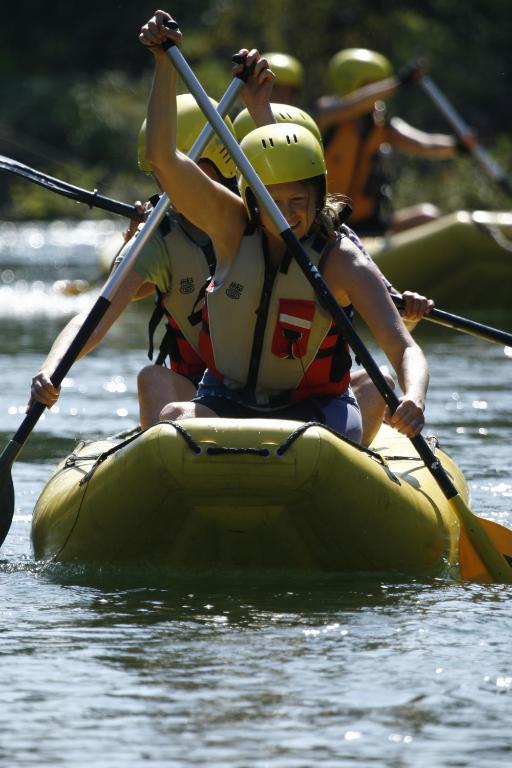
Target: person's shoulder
x: 343, y: 258
x: 346, y: 248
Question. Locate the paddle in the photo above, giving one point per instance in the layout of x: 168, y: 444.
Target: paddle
x: 462, y: 324
x: 92, y: 320
x: 487, y: 547
x: 464, y: 133
x: 92, y: 199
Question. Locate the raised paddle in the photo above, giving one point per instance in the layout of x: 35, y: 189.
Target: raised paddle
x: 465, y: 134
x: 92, y: 320
x: 92, y: 199
x: 490, y: 549
x: 463, y: 324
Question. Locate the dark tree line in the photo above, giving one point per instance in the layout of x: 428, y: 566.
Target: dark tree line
x: 74, y: 80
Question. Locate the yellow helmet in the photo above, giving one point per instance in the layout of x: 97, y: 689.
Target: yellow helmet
x: 191, y: 121
x: 352, y: 68
x: 283, y: 113
x: 282, y: 153
x: 287, y: 69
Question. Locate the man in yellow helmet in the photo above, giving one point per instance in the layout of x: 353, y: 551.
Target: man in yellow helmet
x: 358, y: 137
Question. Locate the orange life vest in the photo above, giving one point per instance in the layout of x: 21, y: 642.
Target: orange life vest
x: 353, y: 155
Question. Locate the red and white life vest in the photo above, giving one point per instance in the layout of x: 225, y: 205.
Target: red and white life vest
x: 264, y: 330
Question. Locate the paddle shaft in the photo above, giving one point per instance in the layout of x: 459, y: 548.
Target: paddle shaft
x: 92, y: 199
x: 110, y: 288
x: 494, y: 561
x: 463, y: 131
x: 464, y: 324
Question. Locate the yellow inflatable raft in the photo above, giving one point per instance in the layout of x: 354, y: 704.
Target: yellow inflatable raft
x: 460, y: 260
x: 250, y: 494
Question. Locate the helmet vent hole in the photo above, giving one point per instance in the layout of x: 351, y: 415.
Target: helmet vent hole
x: 271, y: 142
x: 288, y: 140
x: 264, y: 143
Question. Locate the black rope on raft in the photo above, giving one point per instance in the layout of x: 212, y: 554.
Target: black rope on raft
x: 75, y: 460
x: 303, y: 427
x: 217, y: 450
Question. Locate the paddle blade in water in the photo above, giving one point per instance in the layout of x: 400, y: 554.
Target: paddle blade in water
x: 6, y: 505
x: 471, y: 566
x: 7, y: 457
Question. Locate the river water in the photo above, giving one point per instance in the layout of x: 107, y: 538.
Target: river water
x: 130, y: 667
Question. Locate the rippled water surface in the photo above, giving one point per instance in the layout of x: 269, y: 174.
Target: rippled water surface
x: 127, y: 667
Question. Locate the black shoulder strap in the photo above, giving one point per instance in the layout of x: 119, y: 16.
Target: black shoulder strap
x: 208, y: 250
x: 166, y: 225
x: 197, y: 310
x: 154, y: 320
x: 169, y: 346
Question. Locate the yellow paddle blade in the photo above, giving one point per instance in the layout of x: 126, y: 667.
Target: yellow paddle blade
x: 485, y: 550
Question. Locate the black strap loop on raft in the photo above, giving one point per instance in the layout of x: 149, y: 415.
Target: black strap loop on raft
x: 217, y: 450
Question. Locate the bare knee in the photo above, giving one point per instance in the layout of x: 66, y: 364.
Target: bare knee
x: 362, y: 385
x: 162, y: 385
x: 174, y: 411
x: 371, y: 403
x: 147, y: 376
x: 184, y: 410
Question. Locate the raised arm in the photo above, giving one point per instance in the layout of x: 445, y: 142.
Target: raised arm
x: 331, y: 110
x: 205, y: 203
x: 257, y: 91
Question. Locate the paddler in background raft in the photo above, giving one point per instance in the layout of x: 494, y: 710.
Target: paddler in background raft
x: 359, y: 136
x: 281, y: 357
x: 177, y: 261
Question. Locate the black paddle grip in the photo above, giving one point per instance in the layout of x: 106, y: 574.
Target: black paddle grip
x: 174, y: 26
x: 241, y: 58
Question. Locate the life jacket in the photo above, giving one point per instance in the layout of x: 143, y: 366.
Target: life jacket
x: 355, y: 167
x: 264, y: 332
x: 191, y: 264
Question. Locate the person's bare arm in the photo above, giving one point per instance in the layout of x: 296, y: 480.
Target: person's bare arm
x: 257, y: 91
x: 331, y: 110
x: 406, y: 138
x: 42, y: 390
x: 208, y: 205
x: 353, y: 280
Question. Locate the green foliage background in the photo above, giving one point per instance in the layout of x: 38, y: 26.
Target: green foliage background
x: 74, y: 82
